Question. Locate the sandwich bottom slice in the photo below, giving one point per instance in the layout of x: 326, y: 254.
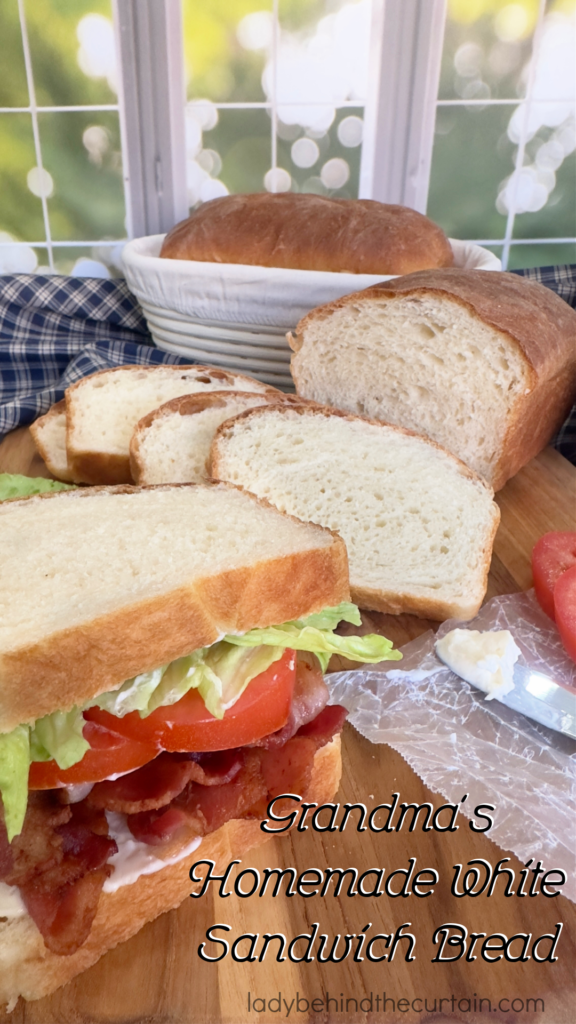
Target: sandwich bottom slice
x: 163, y: 685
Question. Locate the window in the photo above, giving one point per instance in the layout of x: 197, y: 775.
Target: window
x: 61, y: 191
x: 275, y: 95
x: 337, y: 98
x: 504, y: 160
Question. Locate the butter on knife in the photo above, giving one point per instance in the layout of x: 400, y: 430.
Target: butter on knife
x: 484, y: 659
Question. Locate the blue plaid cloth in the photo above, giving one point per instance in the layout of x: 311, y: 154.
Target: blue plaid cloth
x: 55, y: 330
x: 562, y: 280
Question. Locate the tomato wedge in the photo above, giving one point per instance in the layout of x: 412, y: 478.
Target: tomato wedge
x: 262, y: 709
x: 110, y: 753
x: 565, y: 609
x: 553, y: 554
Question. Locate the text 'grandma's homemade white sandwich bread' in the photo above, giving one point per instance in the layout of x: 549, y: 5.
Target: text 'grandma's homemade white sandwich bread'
x: 160, y: 677
x: 483, y: 363
x: 102, y: 412
x: 418, y: 524
x: 308, y: 232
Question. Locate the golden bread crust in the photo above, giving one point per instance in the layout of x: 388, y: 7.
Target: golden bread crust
x: 36, y: 430
x: 309, y: 232
x: 28, y: 969
x: 73, y: 665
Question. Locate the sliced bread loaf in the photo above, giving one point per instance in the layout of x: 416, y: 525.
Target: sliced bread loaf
x: 98, y: 584
x: 49, y: 435
x: 418, y: 524
x: 102, y: 412
x: 172, y: 444
x: 483, y: 363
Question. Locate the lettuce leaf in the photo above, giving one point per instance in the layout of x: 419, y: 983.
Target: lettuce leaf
x: 133, y: 695
x: 220, y: 673
x: 14, y: 767
x: 14, y: 485
x: 330, y: 617
x: 59, y: 736
x: 322, y: 642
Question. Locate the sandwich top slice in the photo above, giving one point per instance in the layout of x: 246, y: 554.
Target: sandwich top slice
x: 161, y: 656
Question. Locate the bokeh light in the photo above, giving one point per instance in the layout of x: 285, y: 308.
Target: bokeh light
x: 97, y: 54
x: 277, y: 180
x: 40, y: 182
x: 16, y: 259
x: 350, y: 131
x: 305, y: 152
x: 335, y: 173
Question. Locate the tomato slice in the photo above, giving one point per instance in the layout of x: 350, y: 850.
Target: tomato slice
x: 262, y: 709
x: 565, y: 609
x: 553, y: 554
x: 110, y: 753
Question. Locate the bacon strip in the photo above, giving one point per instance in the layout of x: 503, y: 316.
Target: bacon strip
x: 264, y: 773
x: 64, y: 916
x: 160, y: 781
x: 59, y: 863
x: 309, y: 698
x: 326, y: 725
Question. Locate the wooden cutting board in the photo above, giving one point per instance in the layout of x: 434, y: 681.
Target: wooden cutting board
x: 158, y: 976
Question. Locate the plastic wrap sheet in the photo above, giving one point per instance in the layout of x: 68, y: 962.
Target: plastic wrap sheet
x: 460, y: 743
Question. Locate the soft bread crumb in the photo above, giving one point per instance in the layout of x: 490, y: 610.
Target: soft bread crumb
x: 424, y: 362
x: 417, y: 524
x: 172, y: 445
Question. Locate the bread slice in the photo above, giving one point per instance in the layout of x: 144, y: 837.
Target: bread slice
x: 172, y: 444
x: 99, y: 584
x: 49, y: 436
x: 30, y: 970
x: 483, y: 363
x: 418, y: 524
x: 103, y: 410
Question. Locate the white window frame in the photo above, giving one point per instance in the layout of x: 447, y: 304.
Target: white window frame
x: 399, y: 113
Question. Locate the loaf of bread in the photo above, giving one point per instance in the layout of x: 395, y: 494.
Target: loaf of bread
x: 49, y: 435
x: 483, y: 363
x: 102, y: 412
x: 309, y: 232
x: 418, y: 524
x: 172, y: 444
x: 29, y: 969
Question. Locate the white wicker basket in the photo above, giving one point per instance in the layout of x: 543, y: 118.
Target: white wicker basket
x: 237, y: 316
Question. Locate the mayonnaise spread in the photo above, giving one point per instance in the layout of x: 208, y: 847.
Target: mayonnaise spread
x: 11, y: 902
x: 133, y: 858
x: 485, y: 660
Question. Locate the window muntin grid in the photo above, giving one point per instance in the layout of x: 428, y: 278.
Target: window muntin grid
x: 77, y: 188
x: 527, y: 93
x: 263, y: 47
x: 281, y: 147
